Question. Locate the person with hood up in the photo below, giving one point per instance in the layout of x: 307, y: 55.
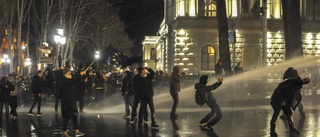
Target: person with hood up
x: 286, y: 97
x: 174, y: 90
x: 68, y: 102
x: 206, y: 97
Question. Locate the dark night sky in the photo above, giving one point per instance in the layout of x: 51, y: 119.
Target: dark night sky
x: 142, y: 17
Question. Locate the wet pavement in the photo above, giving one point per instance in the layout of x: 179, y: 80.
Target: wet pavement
x: 237, y: 121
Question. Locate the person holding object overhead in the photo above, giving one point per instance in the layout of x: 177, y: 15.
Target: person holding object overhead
x: 68, y: 102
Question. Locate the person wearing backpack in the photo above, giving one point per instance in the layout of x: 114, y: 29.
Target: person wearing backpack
x: 203, y: 96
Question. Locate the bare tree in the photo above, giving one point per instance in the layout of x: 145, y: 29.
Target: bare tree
x: 94, y: 22
x: 21, y: 12
x: 42, y: 18
x: 8, y: 11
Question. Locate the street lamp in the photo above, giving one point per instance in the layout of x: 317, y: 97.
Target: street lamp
x: 5, y: 61
x: 28, y: 64
x: 97, y: 56
x: 60, y: 40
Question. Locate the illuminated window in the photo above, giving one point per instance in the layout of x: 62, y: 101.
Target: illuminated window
x: 232, y: 8
x: 180, y: 7
x: 208, y: 57
x: 274, y: 9
x: 211, y: 10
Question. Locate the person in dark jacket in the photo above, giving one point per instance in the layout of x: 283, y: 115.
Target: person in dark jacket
x: 218, y: 68
x: 37, y: 88
x: 293, y: 73
x: 68, y: 102
x: 81, y: 88
x: 58, y: 75
x: 215, y: 115
x: 13, y: 101
x: 238, y: 69
x: 143, y: 84
x: 174, y: 90
x: 98, y: 86
x: 5, y: 88
x: 48, y: 76
x: 137, y: 98
x: 127, y: 92
x: 286, y: 97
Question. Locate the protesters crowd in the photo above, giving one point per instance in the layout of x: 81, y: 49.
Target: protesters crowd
x: 91, y: 88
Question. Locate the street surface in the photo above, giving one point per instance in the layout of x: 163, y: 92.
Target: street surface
x: 239, y: 120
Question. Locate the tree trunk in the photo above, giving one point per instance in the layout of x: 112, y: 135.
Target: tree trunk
x: 224, y: 52
x: 292, y: 28
x: 296, y: 25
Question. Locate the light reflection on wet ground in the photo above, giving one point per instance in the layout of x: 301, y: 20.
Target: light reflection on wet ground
x: 236, y: 122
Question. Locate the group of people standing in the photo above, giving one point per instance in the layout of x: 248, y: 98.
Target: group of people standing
x: 139, y: 90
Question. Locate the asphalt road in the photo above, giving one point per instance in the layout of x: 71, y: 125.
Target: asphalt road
x: 237, y: 121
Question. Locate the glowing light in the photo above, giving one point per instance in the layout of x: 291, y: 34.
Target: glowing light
x: 190, y: 53
x: 181, y: 8
x: 185, y: 48
x: 192, y: 8
x: 269, y: 35
x: 309, y: 36
x: 318, y: 36
x: 181, y: 32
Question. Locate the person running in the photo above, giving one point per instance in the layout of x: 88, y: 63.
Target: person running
x: 203, y: 92
x: 37, y: 88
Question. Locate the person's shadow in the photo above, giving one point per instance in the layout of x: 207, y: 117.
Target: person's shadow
x: 174, y: 124
x: 175, y: 127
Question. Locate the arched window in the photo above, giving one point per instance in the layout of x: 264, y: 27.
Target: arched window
x: 210, y: 10
x: 208, y: 57
x: 153, y: 54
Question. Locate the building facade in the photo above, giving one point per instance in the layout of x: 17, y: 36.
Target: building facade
x: 188, y: 35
